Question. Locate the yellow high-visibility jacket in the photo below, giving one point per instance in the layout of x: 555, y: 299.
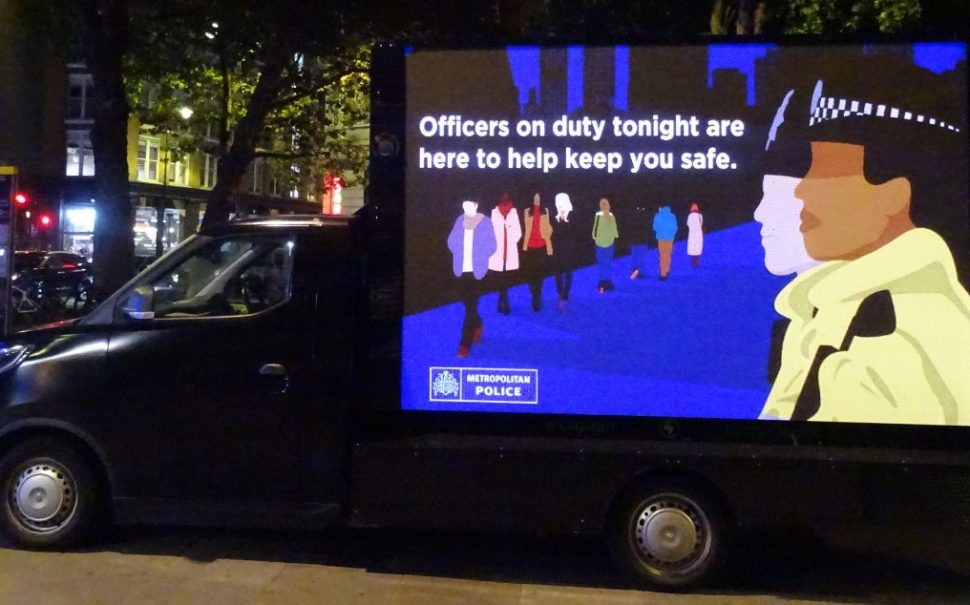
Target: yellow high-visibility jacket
x: 918, y: 374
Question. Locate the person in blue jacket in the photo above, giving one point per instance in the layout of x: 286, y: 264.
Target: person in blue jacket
x: 665, y: 228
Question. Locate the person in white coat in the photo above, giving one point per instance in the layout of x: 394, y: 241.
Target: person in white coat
x: 695, y: 235
x: 508, y: 232
x: 567, y: 244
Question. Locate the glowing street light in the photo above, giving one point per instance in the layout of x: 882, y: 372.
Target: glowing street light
x: 186, y: 112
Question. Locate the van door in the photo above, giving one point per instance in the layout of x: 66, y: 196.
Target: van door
x: 210, y: 381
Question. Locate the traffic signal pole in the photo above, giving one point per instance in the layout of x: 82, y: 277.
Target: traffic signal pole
x: 8, y: 229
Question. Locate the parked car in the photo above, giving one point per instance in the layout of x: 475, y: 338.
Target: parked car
x: 53, y: 281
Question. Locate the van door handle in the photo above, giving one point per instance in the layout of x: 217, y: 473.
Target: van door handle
x: 272, y: 369
x: 280, y: 381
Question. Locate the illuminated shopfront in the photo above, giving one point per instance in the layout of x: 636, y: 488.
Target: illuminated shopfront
x: 77, y: 229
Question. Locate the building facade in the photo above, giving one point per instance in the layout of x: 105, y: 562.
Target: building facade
x: 46, y: 116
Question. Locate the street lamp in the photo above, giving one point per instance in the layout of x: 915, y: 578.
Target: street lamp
x: 185, y: 112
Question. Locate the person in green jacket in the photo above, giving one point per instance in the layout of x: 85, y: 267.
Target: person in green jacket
x: 604, y: 235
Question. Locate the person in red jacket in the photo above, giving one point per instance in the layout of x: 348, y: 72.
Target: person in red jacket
x: 537, y: 245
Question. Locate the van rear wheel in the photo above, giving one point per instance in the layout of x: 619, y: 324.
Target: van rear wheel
x: 50, y: 494
x: 669, y: 535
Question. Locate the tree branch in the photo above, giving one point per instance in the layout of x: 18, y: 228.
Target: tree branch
x: 306, y: 92
x: 279, y: 155
x: 225, y: 105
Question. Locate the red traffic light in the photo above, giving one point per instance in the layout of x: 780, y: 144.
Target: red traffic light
x: 45, y: 221
x: 21, y: 198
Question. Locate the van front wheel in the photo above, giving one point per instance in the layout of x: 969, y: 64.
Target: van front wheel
x: 50, y: 494
x: 669, y: 536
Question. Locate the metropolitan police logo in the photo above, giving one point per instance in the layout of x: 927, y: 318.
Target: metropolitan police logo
x: 445, y: 385
x: 483, y: 385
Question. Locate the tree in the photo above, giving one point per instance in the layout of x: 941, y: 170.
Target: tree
x: 103, y: 29
x: 98, y: 32
x: 742, y: 17
x: 814, y: 16
x: 847, y: 16
x: 298, y: 113
x: 275, y: 86
x: 286, y: 88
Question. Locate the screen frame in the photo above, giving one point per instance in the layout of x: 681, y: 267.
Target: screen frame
x: 387, y: 207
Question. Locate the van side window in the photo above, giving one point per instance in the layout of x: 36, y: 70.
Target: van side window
x: 227, y: 277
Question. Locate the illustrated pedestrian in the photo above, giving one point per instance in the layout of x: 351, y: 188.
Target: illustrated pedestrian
x: 505, y: 262
x: 695, y: 235
x: 636, y: 226
x: 566, y: 257
x: 605, y: 234
x: 665, y: 228
x: 471, y: 242
x: 537, y: 246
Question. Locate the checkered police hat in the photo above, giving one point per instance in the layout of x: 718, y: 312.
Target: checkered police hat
x: 826, y: 107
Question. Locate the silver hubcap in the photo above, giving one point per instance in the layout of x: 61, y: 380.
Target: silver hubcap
x: 669, y: 535
x: 43, y: 497
x: 672, y: 534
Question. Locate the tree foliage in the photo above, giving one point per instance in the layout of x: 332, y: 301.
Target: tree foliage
x: 851, y: 16
x: 815, y: 16
x: 262, y: 83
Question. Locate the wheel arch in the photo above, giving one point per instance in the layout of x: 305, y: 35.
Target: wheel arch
x: 22, y: 430
x: 685, y: 569
x: 669, y: 475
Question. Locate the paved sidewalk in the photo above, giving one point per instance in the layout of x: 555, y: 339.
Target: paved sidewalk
x: 144, y: 566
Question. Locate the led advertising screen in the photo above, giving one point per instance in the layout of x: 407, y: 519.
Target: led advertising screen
x: 723, y: 231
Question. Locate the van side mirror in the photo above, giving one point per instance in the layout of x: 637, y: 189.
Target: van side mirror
x: 140, y: 303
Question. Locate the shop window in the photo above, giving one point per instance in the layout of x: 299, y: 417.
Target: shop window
x: 145, y: 231
x: 77, y: 229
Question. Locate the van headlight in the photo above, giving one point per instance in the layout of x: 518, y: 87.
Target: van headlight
x: 10, y: 357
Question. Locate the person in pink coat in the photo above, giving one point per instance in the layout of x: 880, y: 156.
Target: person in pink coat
x: 505, y: 262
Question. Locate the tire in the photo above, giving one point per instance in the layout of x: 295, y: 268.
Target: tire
x: 670, y: 535
x: 83, y: 298
x: 77, y: 302
x: 51, y: 494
